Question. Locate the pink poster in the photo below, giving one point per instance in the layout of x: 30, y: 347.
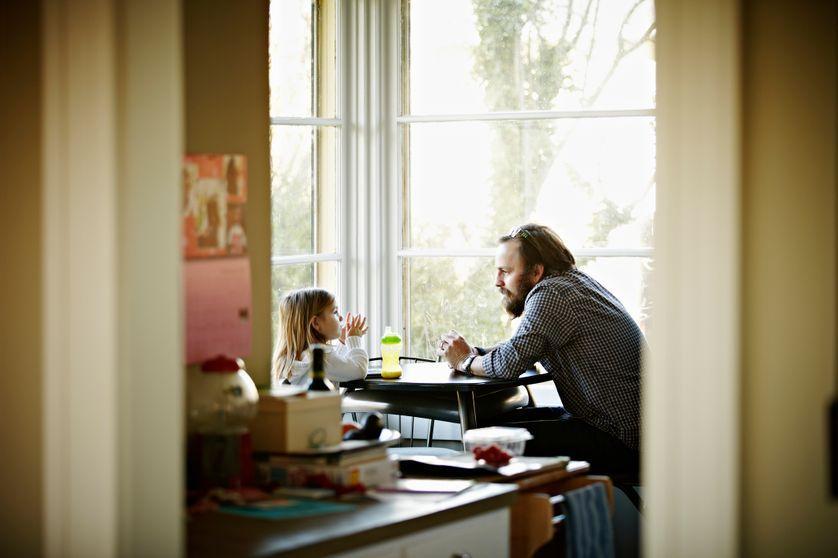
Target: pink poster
x: 216, y: 268
x: 218, y: 308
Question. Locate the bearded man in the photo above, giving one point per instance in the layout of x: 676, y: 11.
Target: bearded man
x: 585, y: 339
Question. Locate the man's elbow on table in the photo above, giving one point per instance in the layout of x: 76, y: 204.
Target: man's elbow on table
x: 500, y: 365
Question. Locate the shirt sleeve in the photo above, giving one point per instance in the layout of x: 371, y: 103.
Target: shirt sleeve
x: 344, y: 363
x: 546, y: 321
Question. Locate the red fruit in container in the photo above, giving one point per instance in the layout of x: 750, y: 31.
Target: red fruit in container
x: 493, y: 455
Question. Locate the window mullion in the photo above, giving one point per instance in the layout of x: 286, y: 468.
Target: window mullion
x: 525, y: 115
x: 355, y: 153
x: 490, y: 252
x: 304, y: 121
x: 305, y: 258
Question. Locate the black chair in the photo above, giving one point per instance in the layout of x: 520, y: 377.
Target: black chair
x: 629, y: 484
x: 433, y: 406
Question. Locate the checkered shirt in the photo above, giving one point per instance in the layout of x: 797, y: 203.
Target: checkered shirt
x: 583, y: 336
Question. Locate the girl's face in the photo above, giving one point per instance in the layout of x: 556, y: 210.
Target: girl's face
x: 327, y: 322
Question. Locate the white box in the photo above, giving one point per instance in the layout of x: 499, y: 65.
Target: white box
x: 296, y: 423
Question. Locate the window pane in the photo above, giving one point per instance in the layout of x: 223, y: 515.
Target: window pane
x: 592, y: 180
x: 302, y: 58
x: 304, y: 217
x: 285, y: 278
x: 627, y: 279
x: 459, y: 293
x: 452, y: 293
x: 545, y: 55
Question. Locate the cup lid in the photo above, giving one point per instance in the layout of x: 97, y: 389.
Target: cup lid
x: 221, y: 364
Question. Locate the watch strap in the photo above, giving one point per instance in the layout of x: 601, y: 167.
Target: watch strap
x: 468, y: 360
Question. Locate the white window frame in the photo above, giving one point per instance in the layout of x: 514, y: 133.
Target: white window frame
x: 396, y: 257
x: 370, y: 205
x: 340, y: 124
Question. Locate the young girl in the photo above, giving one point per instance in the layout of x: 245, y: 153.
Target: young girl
x: 308, y: 316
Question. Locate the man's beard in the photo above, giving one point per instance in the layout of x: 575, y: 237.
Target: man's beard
x: 514, y: 304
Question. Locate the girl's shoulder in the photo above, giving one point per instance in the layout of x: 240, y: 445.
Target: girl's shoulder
x: 299, y: 371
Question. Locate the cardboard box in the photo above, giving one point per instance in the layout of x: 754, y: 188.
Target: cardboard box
x: 296, y: 423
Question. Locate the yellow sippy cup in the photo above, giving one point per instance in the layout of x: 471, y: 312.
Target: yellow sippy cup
x: 391, y: 348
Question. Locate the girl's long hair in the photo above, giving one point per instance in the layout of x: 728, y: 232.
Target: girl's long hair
x: 295, y: 332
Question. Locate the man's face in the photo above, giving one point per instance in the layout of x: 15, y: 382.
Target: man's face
x: 512, y: 279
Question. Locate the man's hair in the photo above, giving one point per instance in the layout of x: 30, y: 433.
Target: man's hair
x: 539, y: 244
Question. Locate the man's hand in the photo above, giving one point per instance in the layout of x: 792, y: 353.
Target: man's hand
x: 454, y: 348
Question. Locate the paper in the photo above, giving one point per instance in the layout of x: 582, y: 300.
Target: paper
x: 286, y: 509
x: 218, y: 308
x: 464, y: 465
x: 428, y: 486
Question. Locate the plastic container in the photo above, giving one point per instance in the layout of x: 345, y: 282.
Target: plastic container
x: 391, y: 350
x: 511, y: 440
x: 221, y: 397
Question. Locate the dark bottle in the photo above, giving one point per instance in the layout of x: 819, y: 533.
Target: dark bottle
x: 318, y: 373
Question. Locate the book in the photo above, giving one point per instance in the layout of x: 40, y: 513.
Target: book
x: 335, y: 459
x: 377, y: 470
x: 465, y: 466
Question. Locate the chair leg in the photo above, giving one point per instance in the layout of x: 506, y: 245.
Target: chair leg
x: 430, y: 440
x: 412, y: 421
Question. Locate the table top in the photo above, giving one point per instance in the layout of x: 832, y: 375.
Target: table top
x: 216, y: 534
x: 437, y: 376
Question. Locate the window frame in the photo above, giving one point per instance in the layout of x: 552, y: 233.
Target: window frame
x: 338, y: 122
x: 399, y: 259
x: 371, y: 181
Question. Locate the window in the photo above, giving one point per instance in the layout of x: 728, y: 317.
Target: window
x: 512, y: 112
x: 461, y: 119
x: 305, y: 146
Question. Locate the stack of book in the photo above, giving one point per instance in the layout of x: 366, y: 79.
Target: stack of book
x: 368, y: 466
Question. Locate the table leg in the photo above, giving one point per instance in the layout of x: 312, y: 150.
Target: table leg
x: 466, y: 409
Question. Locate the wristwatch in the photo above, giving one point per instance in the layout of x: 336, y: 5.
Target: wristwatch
x: 467, y: 366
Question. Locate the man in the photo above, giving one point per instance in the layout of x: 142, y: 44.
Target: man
x: 582, y: 335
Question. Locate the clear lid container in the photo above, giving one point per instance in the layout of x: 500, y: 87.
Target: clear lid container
x: 496, y: 435
x: 512, y: 440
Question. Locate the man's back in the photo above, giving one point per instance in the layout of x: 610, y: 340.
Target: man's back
x: 591, y: 346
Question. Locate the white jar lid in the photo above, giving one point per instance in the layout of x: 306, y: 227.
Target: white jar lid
x: 496, y: 434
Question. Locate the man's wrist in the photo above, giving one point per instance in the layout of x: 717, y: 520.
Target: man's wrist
x: 465, y: 364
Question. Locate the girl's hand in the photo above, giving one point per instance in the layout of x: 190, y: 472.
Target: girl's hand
x: 356, y: 326
x: 343, y: 328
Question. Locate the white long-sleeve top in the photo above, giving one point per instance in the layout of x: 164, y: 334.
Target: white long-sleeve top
x: 342, y: 363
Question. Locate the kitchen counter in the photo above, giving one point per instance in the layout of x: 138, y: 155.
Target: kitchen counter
x: 370, y: 523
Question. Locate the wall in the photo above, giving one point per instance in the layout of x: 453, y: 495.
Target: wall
x: 789, y: 278
x: 21, y: 512
x: 226, y: 69
x: 692, y: 376
x: 150, y: 144
x: 110, y: 285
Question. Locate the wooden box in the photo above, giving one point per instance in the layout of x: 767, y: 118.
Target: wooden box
x: 296, y: 423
